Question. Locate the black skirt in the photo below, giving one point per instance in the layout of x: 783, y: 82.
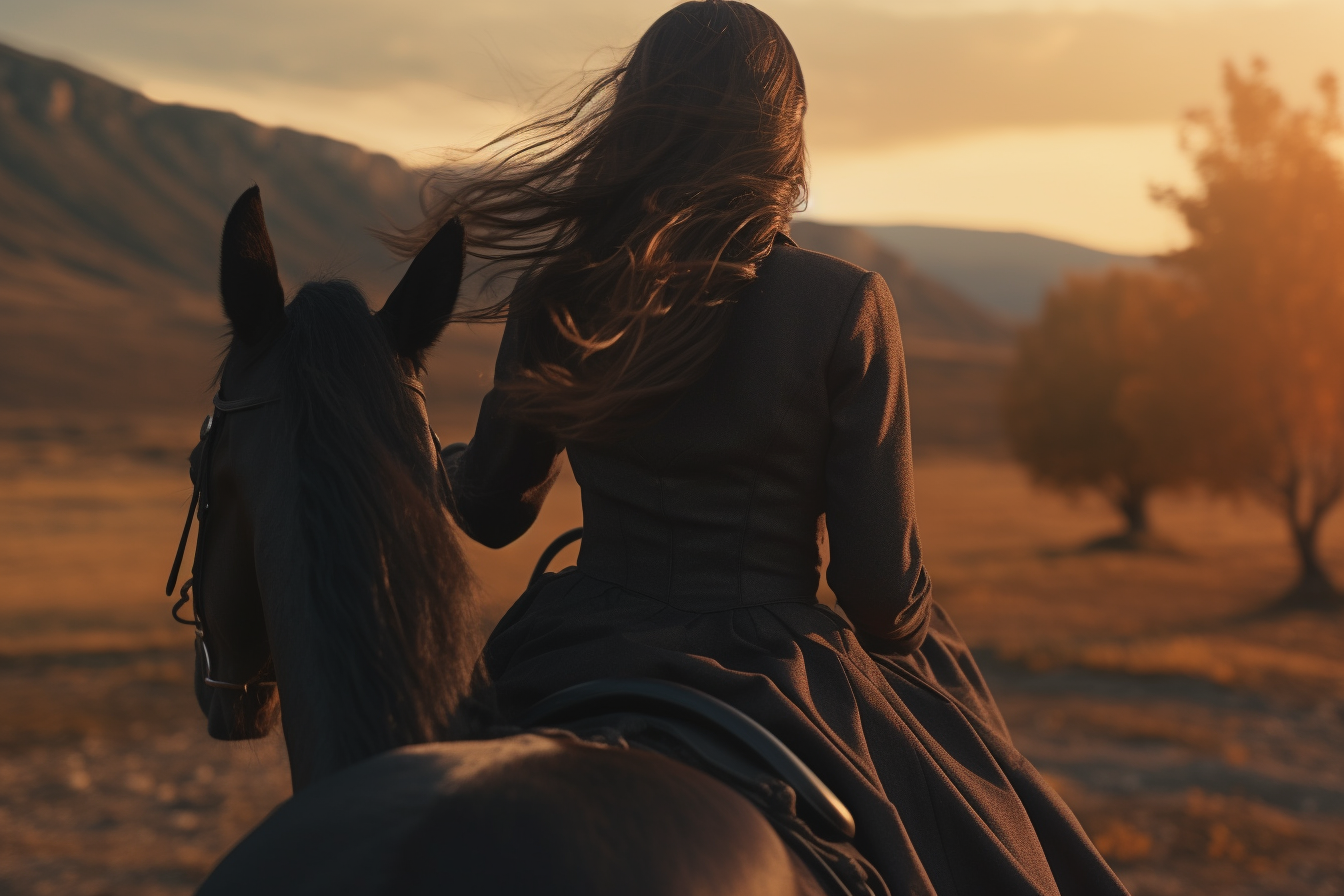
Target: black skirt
x: 913, y: 745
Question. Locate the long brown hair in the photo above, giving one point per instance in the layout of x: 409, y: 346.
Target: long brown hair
x: 634, y: 214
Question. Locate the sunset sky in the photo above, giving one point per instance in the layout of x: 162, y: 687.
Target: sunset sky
x: 1052, y: 117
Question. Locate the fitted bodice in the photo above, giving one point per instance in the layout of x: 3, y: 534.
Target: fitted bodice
x: 718, y: 502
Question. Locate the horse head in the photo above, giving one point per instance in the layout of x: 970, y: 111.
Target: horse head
x: 326, y: 557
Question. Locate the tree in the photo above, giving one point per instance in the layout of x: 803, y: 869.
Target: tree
x: 1256, y: 374
x: 1068, y: 407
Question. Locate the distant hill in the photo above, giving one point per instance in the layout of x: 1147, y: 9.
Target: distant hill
x: 1007, y: 273
x: 929, y: 310
x: 110, y: 211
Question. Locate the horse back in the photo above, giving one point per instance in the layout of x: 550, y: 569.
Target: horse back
x: 523, y: 814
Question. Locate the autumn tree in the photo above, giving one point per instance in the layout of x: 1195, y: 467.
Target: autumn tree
x: 1067, y: 404
x: 1256, y: 376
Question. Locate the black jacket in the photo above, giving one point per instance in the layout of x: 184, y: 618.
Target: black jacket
x: 801, y: 421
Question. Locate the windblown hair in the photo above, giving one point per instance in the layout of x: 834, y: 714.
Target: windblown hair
x: 634, y: 214
x: 388, y: 586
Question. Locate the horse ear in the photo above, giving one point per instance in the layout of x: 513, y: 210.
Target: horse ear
x: 416, y: 312
x: 249, y: 284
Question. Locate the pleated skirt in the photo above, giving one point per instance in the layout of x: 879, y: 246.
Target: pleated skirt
x: 914, y: 745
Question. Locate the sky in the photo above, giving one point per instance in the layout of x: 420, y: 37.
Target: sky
x: 1049, y: 116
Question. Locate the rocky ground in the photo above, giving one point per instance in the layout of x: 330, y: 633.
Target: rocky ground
x: 1199, y: 739
x: 1186, y: 786
x: 108, y: 784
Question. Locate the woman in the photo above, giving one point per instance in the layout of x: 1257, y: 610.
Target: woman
x: 722, y: 394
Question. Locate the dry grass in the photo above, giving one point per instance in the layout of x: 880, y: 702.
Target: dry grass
x: 1009, y: 560
x: 1199, y: 743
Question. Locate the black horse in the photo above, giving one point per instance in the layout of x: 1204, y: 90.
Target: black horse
x: 328, y: 578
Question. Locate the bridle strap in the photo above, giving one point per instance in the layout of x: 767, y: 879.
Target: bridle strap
x: 208, y: 429
x: 242, y: 404
x: 445, y: 485
x: 182, y: 548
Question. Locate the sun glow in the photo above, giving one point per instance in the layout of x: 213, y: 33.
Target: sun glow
x: 1089, y: 184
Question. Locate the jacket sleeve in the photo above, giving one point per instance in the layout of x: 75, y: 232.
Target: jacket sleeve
x: 876, y: 568
x: 501, y: 478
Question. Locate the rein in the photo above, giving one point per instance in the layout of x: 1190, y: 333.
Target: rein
x: 199, y: 508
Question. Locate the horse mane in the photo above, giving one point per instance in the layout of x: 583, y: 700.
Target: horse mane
x: 389, y: 595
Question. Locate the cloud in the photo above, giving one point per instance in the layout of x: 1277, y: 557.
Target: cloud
x: 889, y: 79
x: 1043, y: 114
x: 878, y: 75
x: 479, y: 48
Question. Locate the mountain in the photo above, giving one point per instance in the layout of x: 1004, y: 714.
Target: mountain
x: 110, y: 212
x: 1006, y: 273
x: 929, y: 311
x: 111, y: 207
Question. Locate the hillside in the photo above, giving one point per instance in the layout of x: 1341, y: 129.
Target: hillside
x: 110, y: 210
x: 1005, y: 273
x: 930, y: 312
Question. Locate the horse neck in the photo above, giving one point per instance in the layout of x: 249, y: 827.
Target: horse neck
x: 331, y: 722
x: 311, y: 716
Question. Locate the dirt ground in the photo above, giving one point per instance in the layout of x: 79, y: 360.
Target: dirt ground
x: 1200, y: 741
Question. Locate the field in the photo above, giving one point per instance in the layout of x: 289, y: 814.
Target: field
x: 1200, y: 740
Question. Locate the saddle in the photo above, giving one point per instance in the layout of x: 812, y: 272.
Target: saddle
x: 705, y: 733
x: 701, y: 731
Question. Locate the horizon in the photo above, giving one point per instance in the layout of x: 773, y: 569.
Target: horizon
x: 1048, y: 118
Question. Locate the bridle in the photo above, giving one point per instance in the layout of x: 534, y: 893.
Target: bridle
x: 199, y: 509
